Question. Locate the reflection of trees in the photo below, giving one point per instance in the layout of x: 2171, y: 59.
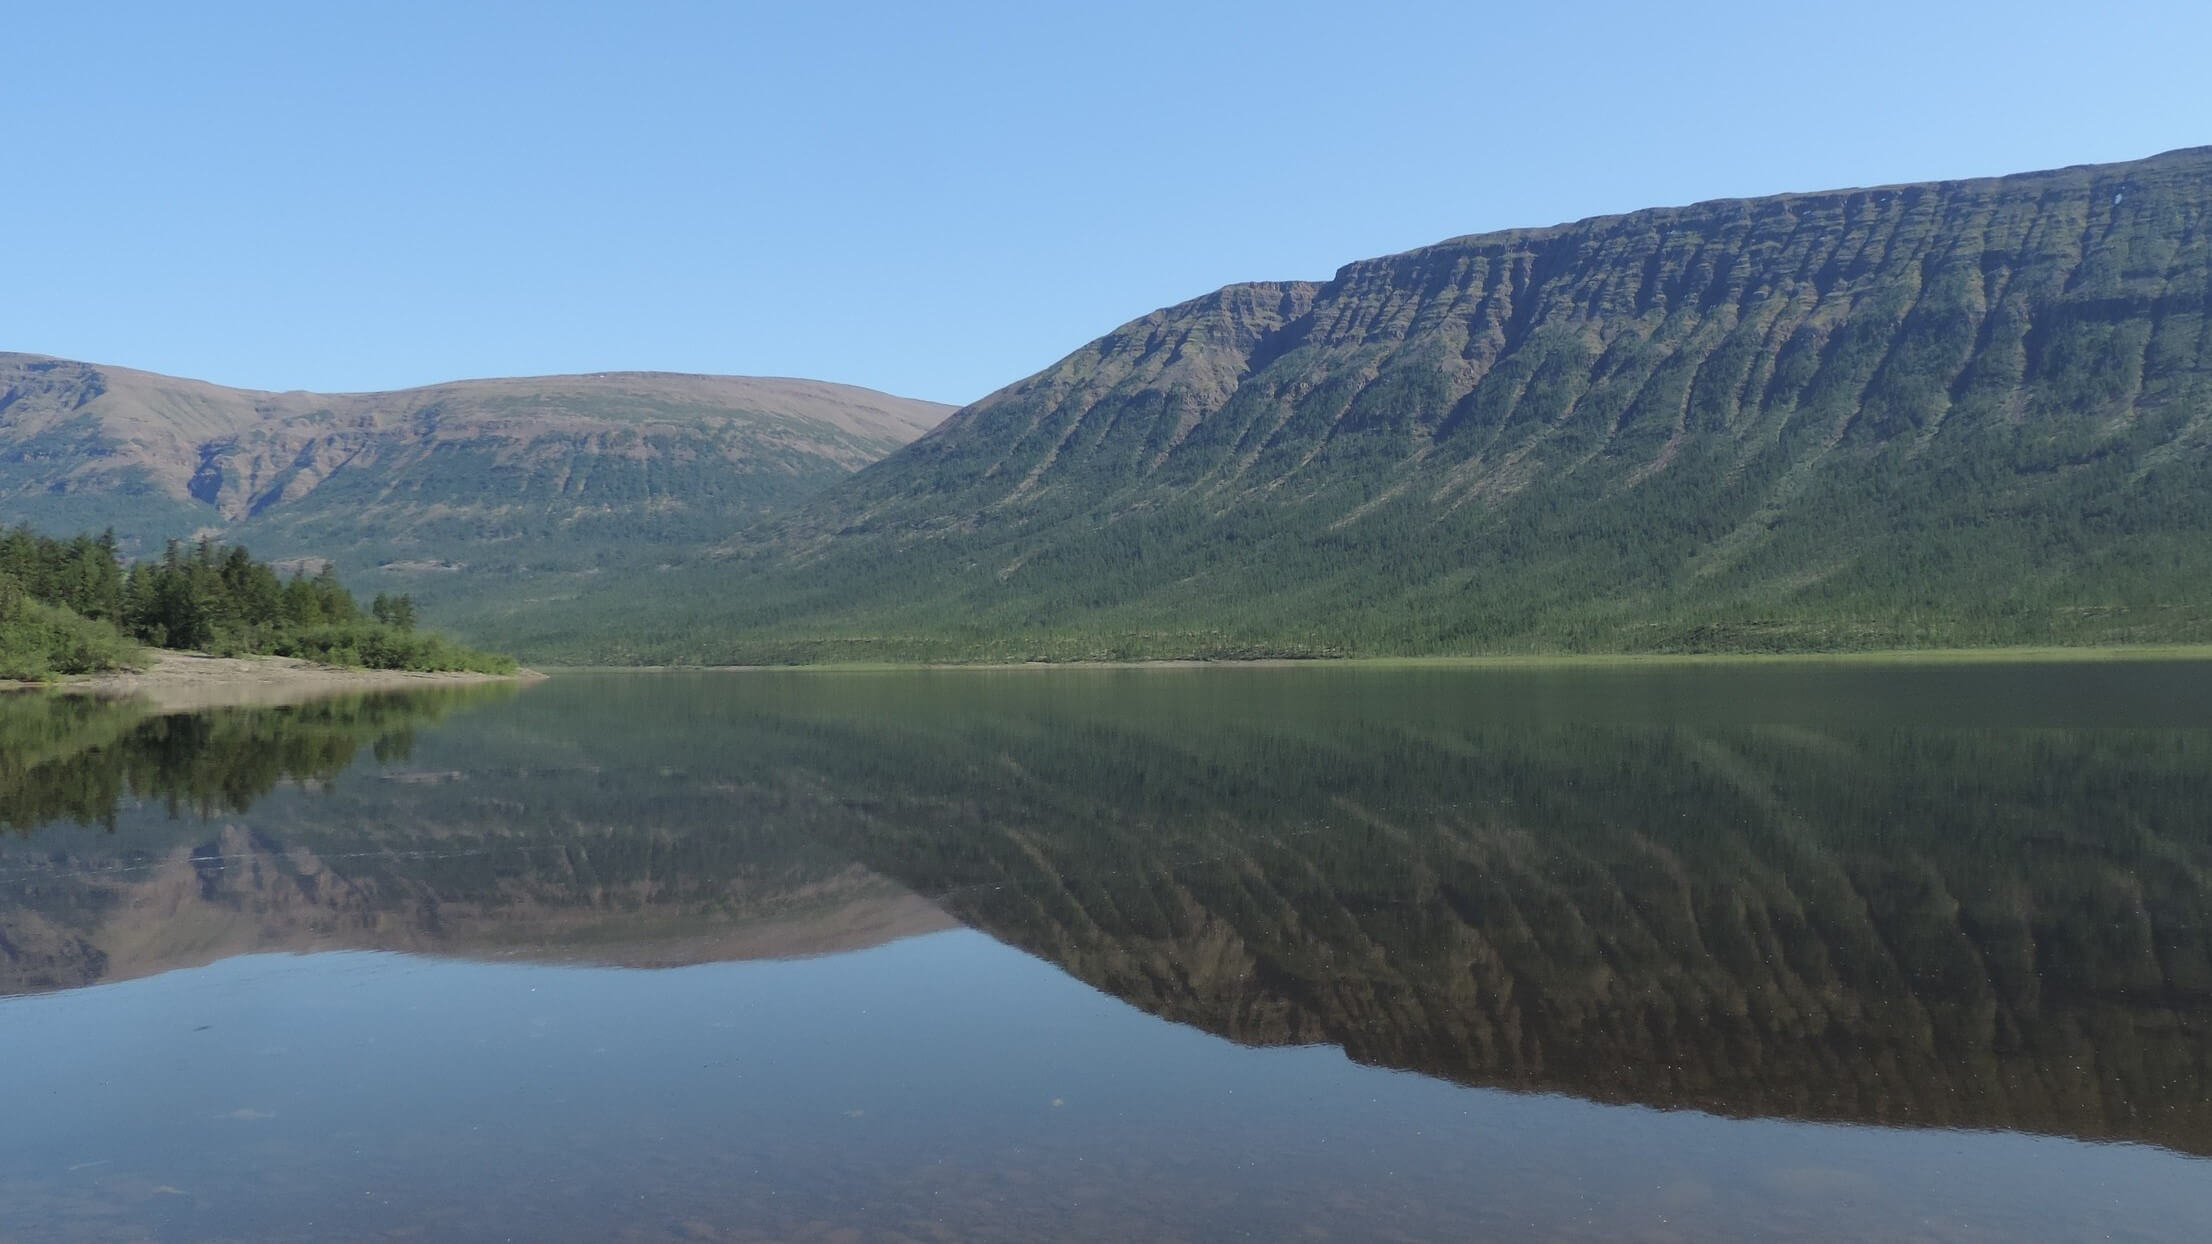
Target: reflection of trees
x: 77, y: 758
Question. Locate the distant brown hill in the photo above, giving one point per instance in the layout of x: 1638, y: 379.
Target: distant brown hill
x: 552, y: 472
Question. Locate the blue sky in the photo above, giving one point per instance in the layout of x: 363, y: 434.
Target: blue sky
x: 933, y: 199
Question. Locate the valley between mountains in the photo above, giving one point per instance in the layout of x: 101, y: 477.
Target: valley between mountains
x: 1953, y: 414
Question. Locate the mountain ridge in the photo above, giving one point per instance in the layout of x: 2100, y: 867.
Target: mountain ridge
x: 1946, y: 414
x: 201, y: 419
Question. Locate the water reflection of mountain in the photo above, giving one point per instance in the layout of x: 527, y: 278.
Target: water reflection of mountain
x: 243, y: 891
x: 1999, y: 922
x: 1852, y: 920
x: 175, y: 840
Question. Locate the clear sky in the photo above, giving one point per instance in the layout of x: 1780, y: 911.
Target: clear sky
x: 933, y: 198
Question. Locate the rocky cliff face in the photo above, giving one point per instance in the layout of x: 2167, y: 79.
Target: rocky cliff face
x: 1814, y: 324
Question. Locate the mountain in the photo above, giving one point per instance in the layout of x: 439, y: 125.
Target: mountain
x: 1957, y: 413
x: 489, y: 476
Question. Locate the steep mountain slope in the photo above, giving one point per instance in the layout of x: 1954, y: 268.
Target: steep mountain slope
x: 1957, y: 413
x: 554, y: 472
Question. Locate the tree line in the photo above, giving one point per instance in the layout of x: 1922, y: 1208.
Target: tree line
x: 76, y: 606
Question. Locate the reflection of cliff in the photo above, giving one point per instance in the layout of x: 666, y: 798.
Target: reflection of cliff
x: 1955, y: 928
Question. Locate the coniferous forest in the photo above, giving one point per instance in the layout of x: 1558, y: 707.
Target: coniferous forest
x: 75, y: 606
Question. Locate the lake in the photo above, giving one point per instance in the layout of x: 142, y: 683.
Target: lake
x: 1687, y: 952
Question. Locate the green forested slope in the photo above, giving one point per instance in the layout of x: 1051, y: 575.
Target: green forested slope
x: 1963, y: 413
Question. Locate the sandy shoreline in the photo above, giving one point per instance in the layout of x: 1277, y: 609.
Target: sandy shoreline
x: 179, y: 681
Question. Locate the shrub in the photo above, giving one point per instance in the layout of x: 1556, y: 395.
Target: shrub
x: 40, y: 641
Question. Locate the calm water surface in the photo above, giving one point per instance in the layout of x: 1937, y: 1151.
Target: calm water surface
x: 1791, y: 952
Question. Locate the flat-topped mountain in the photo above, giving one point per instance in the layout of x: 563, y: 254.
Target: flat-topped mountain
x: 1963, y: 412
x: 553, y: 471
